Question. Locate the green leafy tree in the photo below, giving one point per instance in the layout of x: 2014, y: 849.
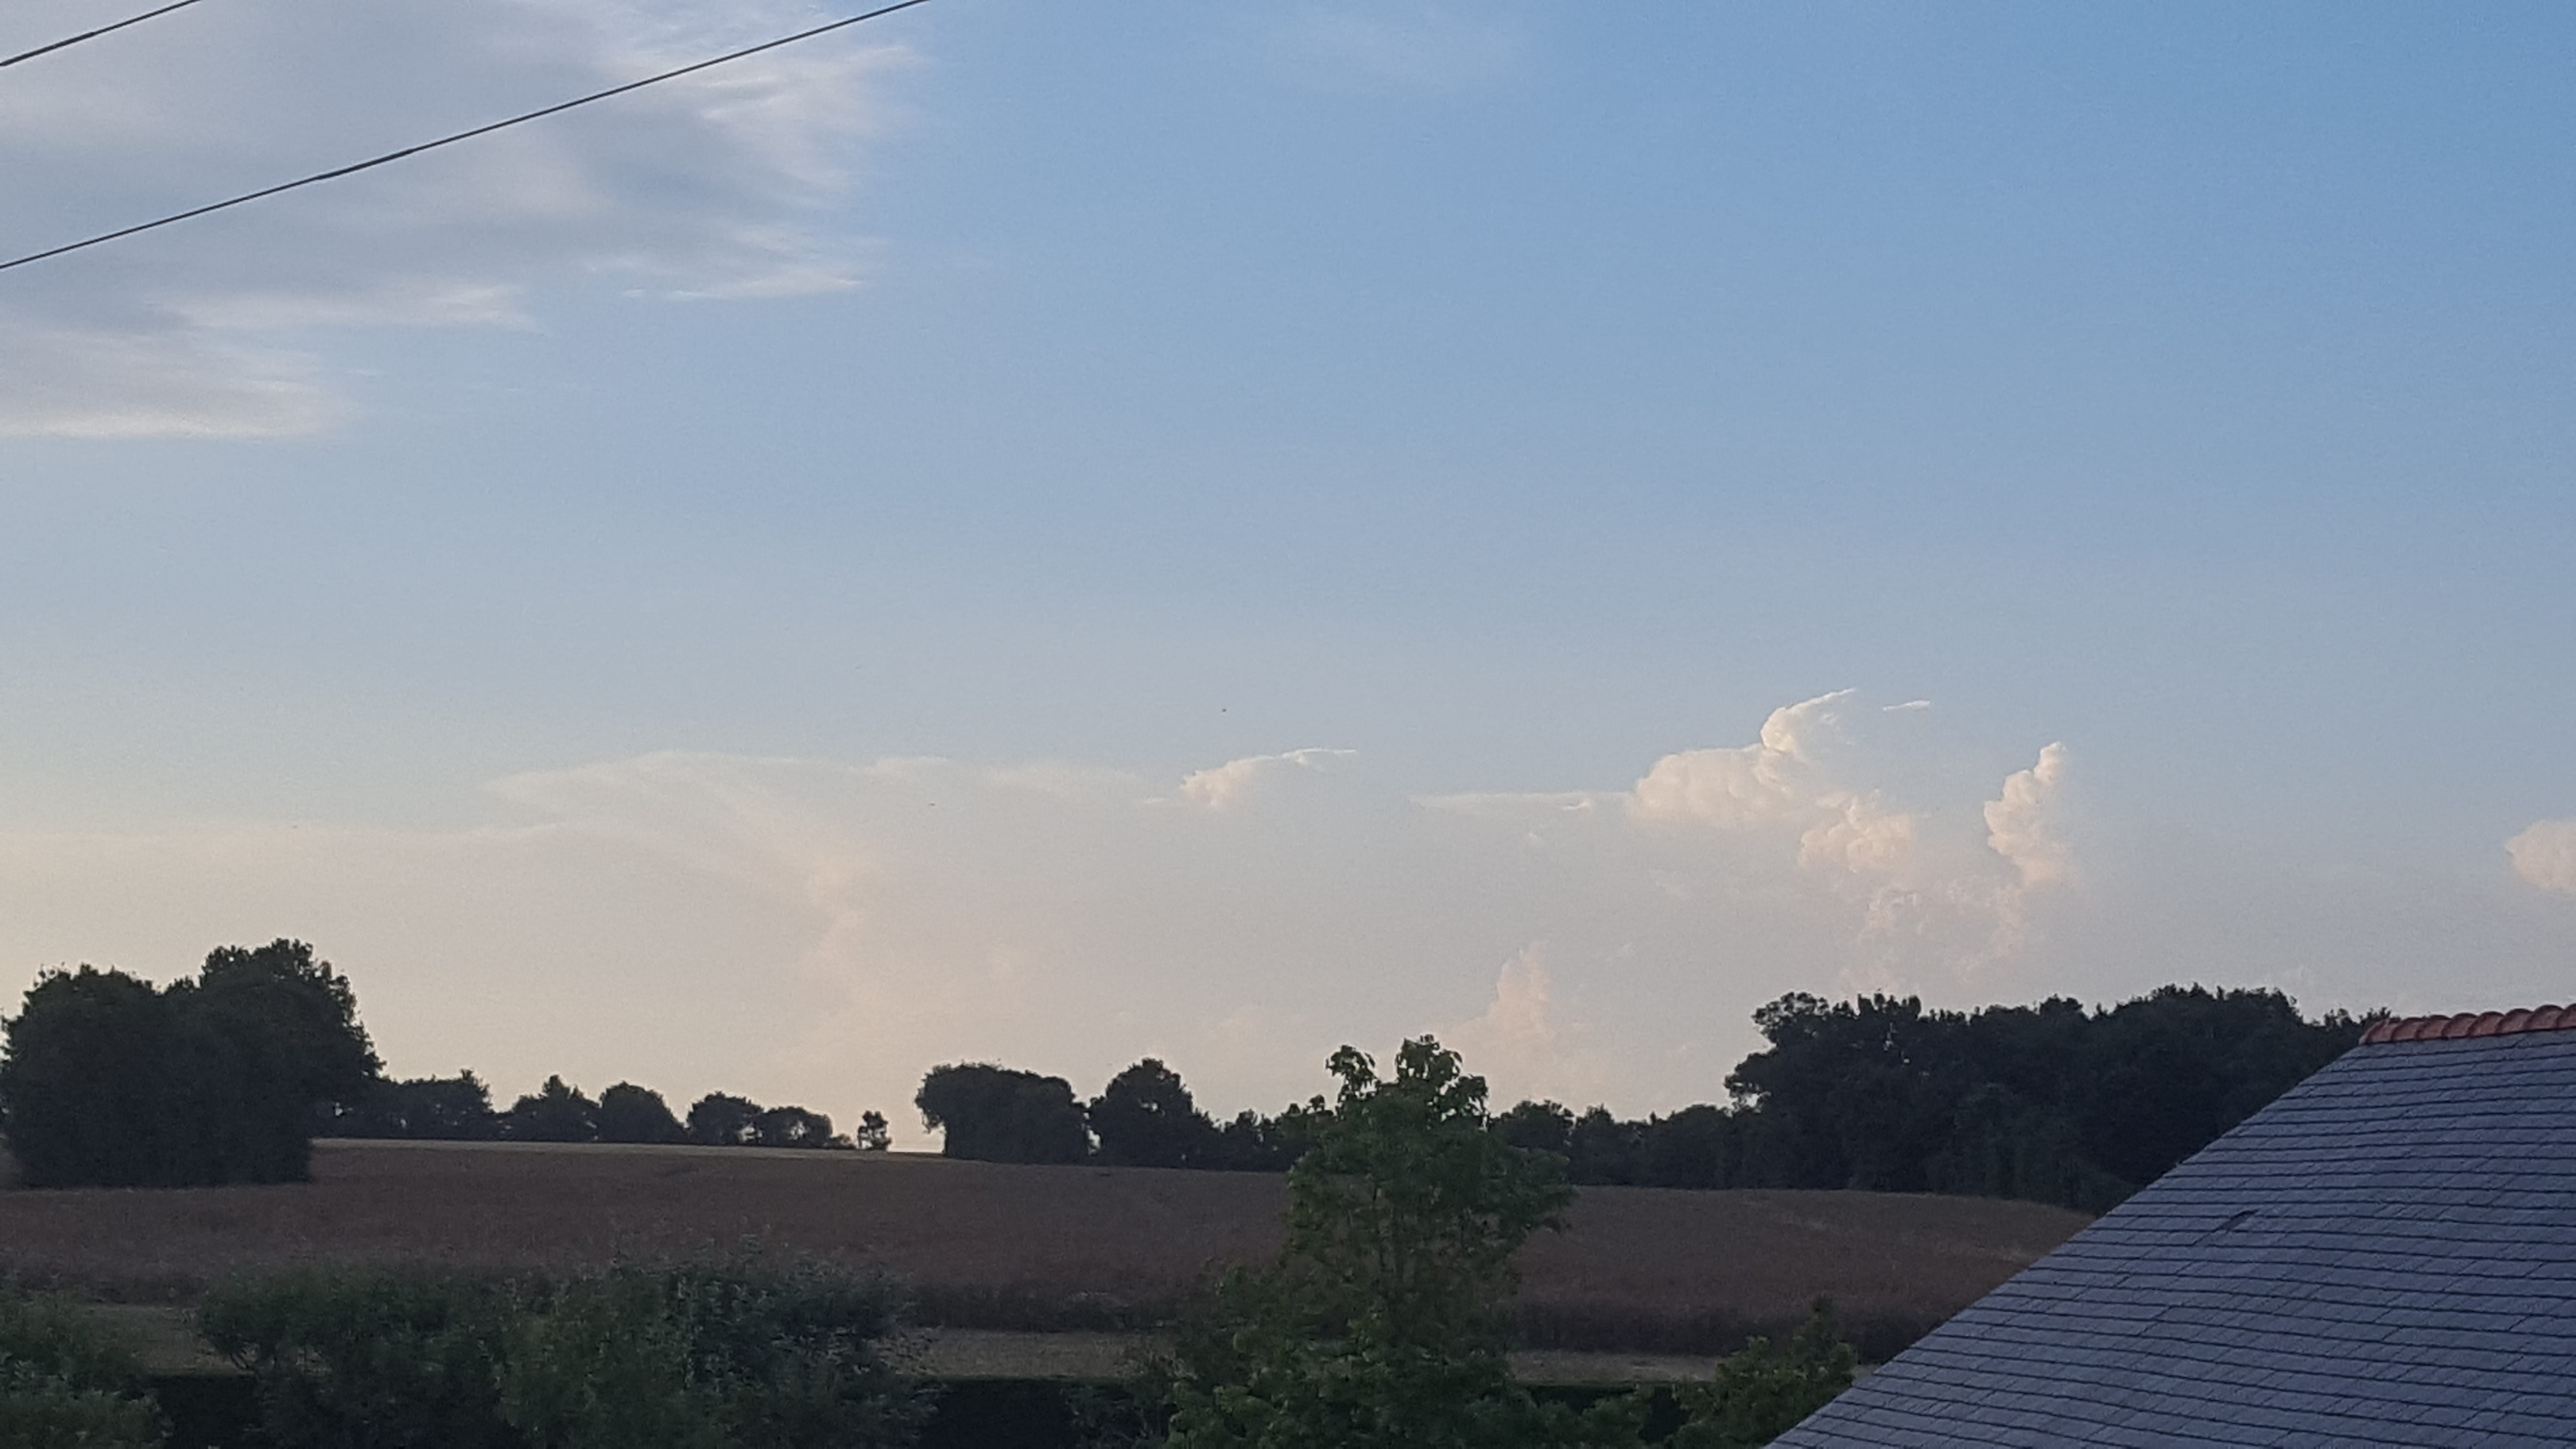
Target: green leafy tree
x: 874, y: 1134
x: 997, y: 1114
x: 720, y: 1120
x: 1379, y: 1325
x: 214, y: 1079
x: 1146, y: 1117
x: 1538, y: 1127
x: 629, y: 1113
x: 554, y: 1113
x: 795, y: 1127
x: 451, y: 1109
x: 88, y: 1085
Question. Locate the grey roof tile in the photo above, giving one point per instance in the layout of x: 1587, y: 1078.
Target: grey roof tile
x: 2384, y: 1256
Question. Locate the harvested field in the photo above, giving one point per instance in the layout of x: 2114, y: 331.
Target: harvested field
x: 1008, y: 1247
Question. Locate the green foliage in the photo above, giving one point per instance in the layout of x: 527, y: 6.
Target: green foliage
x: 2049, y: 1102
x: 553, y: 1113
x: 446, y: 1109
x: 719, y: 1120
x: 795, y: 1127
x: 41, y: 1411
x: 874, y: 1135
x: 1763, y: 1391
x: 65, y: 1382
x: 2052, y: 1103
x: 386, y: 1358
x: 1146, y: 1117
x: 629, y: 1113
x: 1379, y: 1323
x: 1537, y: 1127
x: 732, y: 1356
x: 997, y: 1114
x: 738, y: 1354
x: 109, y: 1082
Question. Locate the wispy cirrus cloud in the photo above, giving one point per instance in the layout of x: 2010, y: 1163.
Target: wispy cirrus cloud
x: 1423, y: 45
x: 715, y: 186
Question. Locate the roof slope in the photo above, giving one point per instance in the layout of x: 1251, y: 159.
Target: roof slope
x: 2385, y: 1255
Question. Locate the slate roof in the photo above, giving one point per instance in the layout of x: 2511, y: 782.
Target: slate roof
x: 2385, y: 1255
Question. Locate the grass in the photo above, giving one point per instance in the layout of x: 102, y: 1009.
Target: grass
x: 994, y: 1246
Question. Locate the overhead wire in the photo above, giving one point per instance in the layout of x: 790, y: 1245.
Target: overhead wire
x: 94, y: 34
x: 449, y: 140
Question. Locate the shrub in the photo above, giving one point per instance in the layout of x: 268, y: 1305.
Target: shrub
x: 403, y: 1359
x: 1763, y: 1391
x: 64, y: 1382
x: 41, y: 1411
x: 737, y: 1354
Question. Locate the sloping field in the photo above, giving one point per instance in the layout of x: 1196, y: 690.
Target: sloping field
x: 996, y: 1246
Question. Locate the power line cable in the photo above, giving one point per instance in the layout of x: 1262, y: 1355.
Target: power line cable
x: 483, y: 130
x: 94, y: 34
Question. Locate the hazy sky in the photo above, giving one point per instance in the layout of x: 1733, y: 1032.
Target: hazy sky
x: 1054, y: 533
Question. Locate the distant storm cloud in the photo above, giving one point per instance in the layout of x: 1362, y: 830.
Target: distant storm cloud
x: 822, y: 930
x: 717, y: 186
x: 2545, y: 855
x: 2024, y: 825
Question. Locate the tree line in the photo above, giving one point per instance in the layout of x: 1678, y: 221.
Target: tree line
x: 228, y: 1075
x: 2055, y: 1103
x: 1378, y: 1322
x: 459, y: 1109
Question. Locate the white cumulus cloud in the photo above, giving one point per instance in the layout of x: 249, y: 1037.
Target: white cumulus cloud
x: 1222, y: 787
x: 1523, y: 1046
x: 2023, y: 827
x: 1775, y: 778
x: 2545, y: 855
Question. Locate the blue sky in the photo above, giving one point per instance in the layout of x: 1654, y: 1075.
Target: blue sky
x: 590, y: 535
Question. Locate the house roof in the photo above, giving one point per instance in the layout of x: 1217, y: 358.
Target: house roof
x: 2386, y: 1255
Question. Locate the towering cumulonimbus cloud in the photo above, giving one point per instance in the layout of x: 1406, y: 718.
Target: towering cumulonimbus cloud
x: 2023, y: 826
x: 823, y: 929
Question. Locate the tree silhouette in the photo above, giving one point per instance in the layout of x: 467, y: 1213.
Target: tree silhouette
x: 1379, y: 1323
x: 456, y: 1109
x: 995, y: 1114
x: 874, y: 1135
x: 213, y: 1079
x: 629, y: 1113
x: 1146, y: 1118
x: 794, y: 1127
x: 717, y: 1120
x: 555, y: 1113
x: 1537, y: 1127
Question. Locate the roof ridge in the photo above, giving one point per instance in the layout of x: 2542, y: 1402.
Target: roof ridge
x: 2471, y: 1023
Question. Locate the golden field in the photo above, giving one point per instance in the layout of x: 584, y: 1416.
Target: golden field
x: 989, y: 1245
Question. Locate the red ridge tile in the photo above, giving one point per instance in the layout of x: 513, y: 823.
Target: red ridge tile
x: 2470, y: 1023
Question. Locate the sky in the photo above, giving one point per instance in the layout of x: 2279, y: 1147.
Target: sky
x: 1053, y: 534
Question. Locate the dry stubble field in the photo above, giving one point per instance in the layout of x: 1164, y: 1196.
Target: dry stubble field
x: 988, y: 1245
